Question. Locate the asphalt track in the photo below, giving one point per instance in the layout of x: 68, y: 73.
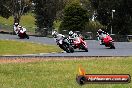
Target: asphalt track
x: 122, y: 48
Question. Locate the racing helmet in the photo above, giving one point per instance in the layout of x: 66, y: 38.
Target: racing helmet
x: 99, y: 30
x: 16, y: 24
x: 71, y: 33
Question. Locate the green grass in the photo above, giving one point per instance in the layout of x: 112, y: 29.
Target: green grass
x: 28, y: 21
x: 62, y: 73
x: 15, y: 47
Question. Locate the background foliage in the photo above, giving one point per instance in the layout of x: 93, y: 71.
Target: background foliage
x: 75, y: 18
x: 52, y: 14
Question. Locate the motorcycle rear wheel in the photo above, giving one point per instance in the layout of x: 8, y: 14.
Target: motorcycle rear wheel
x: 112, y: 46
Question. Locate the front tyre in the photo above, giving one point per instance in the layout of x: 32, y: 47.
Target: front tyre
x: 71, y: 49
x: 65, y: 48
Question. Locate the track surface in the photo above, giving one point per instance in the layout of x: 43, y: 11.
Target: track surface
x: 122, y: 48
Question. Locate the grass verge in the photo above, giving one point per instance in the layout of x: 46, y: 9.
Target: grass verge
x: 8, y: 47
x: 60, y: 72
x: 28, y: 21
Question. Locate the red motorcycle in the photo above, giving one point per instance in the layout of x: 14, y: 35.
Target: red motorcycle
x: 108, y: 41
x: 22, y: 33
x: 79, y: 43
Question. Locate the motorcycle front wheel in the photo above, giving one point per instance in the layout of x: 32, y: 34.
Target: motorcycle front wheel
x: 71, y: 49
x: 65, y: 48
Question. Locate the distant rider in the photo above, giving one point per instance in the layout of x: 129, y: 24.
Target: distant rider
x: 100, y: 35
x: 16, y: 28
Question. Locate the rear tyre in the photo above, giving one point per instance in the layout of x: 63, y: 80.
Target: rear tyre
x: 27, y: 36
x: 112, y: 46
x: 65, y: 48
x: 86, y: 50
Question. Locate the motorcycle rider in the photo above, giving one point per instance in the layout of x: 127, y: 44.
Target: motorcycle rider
x: 63, y: 42
x: 22, y: 29
x: 22, y: 32
x: 100, y: 35
x: 77, y: 41
x: 72, y: 34
x: 16, y: 28
x: 75, y: 37
x: 57, y: 36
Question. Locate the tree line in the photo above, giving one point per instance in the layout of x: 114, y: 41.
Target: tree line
x: 73, y: 15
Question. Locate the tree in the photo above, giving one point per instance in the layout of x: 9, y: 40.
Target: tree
x: 15, y: 8
x: 75, y: 18
x: 4, y: 12
x: 45, y: 13
x: 121, y: 22
x: 86, y: 4
x: 62, y: 4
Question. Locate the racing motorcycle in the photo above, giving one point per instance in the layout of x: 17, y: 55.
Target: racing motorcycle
x: 22, y: 33
x: 108, y: 41
x: 65, y: 45
x: 79, y: 43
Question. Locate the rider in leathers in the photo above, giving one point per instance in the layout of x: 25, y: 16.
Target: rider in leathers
x: 16, y: 28
x: 100, y: 35
x: 74, y: 37
x: 57, y: 36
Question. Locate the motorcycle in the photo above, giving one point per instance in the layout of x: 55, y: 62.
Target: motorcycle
x: 22, y: 34
x: 108, y: 41
x: 79, y: 43
x: 65, y: 45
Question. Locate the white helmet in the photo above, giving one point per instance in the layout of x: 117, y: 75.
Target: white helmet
x: 16, y: 24
x: 71, y: 33
x: 100, y: 30
x: 75, y: 35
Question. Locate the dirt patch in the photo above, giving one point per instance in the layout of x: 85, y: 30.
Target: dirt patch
x: 28, y: 60
x: 19, y: 60
x: 38, y: 59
